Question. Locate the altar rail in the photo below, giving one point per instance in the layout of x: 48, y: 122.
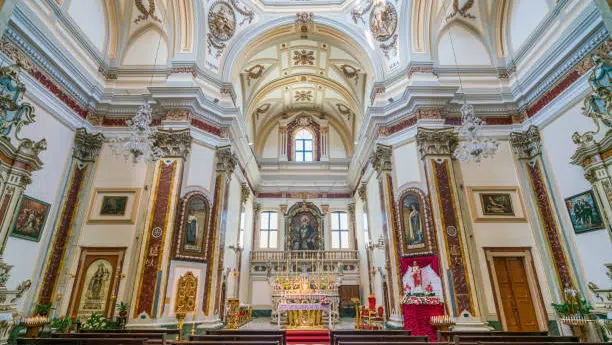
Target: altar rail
x: 305, y: 255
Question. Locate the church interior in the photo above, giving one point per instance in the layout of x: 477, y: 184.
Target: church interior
x: 282, y: 172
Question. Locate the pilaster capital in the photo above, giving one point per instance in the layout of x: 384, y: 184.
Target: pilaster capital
x: 437, y: 142
x: 256, y: 208
x: 381, y: 158
x: 528, y: 144
x: 174, y: 143
x: 86, y: 146
x: 245, y: 192
x: 351, y: 208
x: 283, y: 209
x: 226, y: 160
x: 362, y: 191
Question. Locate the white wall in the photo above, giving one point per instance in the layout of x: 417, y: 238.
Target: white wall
x: 199, y: 171
x: 594, y: 248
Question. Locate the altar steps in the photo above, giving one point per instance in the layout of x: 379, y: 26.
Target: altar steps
x: 310, y: 337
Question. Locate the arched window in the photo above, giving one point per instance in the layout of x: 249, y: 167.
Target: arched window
x: 303, y: 146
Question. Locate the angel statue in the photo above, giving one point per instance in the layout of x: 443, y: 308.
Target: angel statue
x: 416, y: 278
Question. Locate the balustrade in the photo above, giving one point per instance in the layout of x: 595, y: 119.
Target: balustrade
x: 303, y: 255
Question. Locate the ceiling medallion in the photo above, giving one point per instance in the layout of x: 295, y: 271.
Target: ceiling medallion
x: 383, y: 20
x: 146, y: 14
x: 303, y: 57
x: 462, y: 11
x: 221, y: 21
x: 303, y: 96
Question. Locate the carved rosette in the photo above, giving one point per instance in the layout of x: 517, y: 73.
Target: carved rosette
x: 381, y: 158
x: 86, y: 146
x: 436, y: 142
x: 528, y: 144
x: 174, y: 143
x: 226, y: 160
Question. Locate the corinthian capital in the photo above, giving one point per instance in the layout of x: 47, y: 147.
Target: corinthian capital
x: 528, y: 144
x: 174, y: 143
x: 86, y: 146
x: 436, y: 142
x: 226, y: 160
x: 381, y: 158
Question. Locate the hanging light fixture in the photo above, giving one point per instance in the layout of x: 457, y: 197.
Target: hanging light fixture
x: 140, y: 143
x: 476, y: 147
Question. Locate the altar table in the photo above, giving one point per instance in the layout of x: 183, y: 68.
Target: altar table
x: 282, y: 307
x: 417, y: 316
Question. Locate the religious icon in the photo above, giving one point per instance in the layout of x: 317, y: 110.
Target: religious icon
x: 584, y: 212
x: 94, y: 295
x: 197, y: 216
x: 304, y: 232
x: 113, y: 205
x: 420, y: 280
x: 496, y: 204
x: 31, y: 219
x: 383, y: 21
x: 412, y: 221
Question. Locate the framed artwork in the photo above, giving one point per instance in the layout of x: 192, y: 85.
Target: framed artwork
x: 31, y: 218
x: 96, y: 282
x: 304, y: 227
x: 415, y: 227
x: 496, y: 204
x: 110, y: 205
x: 193, y: 222
x: 583, y: 212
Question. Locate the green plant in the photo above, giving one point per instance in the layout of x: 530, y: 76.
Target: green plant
x: 122, y: 307
x: 97, y: 321
x: 43, y: 309
x: 61, y: 324
x: 574, y: 305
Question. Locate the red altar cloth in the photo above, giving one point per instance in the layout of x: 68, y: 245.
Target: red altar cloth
x: 417, y: 316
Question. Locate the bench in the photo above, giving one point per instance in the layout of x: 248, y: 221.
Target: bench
x: 378, y: 337
x: 248, y: 332
x: 460, y: 339
x: 393, y: 343
x: 150, y: 338
x: 81, y: 341
x: 356, y: 332
x: 231, y: 342
x: 238, y: 337
x: 448, y: 335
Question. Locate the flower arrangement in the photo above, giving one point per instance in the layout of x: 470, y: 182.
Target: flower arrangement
x: 324, y: 300
x: 97, y: 321
x: 426, y: 293
x: 574, y: 305
x: 413, y: 299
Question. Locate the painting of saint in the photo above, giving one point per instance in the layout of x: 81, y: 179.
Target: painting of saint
x: 496, y: 204
x: 412, y: 220
x: 304, y: 232
x: 197, y: 216
x: 96, y: 289
x: 583, y: 212
x: 113, y: 205
x: 31, y: 218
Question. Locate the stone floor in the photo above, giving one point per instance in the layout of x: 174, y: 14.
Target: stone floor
x: 264, y: 323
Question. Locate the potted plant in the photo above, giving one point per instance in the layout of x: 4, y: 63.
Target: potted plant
x: 123, y: 313
x: 43, y: 309
x: 61, y: 325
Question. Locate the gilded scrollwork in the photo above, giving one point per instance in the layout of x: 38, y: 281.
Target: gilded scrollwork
x: 186, y: 292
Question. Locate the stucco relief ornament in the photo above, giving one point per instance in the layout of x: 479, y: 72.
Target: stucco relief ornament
x: 462, y: 10
x: 222, y: 26
x: 383, y: 20
x: 146, y: 13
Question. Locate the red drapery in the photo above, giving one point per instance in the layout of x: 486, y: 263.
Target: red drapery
x: 416, y: 317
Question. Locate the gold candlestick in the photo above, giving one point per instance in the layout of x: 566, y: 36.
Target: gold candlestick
x: 180, y: 318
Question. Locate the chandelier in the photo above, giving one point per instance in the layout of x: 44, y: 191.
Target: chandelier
x: 140, y: 143
x: 476, y: 147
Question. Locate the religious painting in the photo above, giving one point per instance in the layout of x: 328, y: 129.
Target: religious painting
x: 96, y: 282
x: 109, y: 205
x: 193, y: 221
x: 31, y: 219
x: 414, y: 228
x: 304, y: 228
x: 496, y: 204
x: 584, y: 212
x: 383, y: 21
x: 113, y: 205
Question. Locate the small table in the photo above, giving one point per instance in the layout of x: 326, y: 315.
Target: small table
x: 417, y: 315
x: 282, y: 307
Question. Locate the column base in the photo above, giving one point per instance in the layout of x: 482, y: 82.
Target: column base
x: 396, y: 321
x: 467, y: 323
x: 213, y: 323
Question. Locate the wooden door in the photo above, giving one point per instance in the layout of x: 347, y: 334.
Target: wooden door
x: 516, y: 300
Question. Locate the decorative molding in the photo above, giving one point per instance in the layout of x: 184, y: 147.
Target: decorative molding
x: 303, y: 57
x: 528, y: 144
x: 253, y: 73
x: 350, y: 72
x: 304, y: 22
x: 179, y: 115
x: 146, y: 13
x: 462, y: 10
x: 437, y: 142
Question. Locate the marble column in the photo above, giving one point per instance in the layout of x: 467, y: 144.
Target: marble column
x: 225, y: 164
x: 534, y: 181
x: 436, y: 147
x: 85, y: 151
x: 382, y: 164
x: 362, y: 191
x: 155, y: 253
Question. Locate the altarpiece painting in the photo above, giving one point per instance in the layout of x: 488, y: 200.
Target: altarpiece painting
x: 304, y: 227
x: 97, y: 280
x: 193, y: 221
x: 415, y: 224
x: 31, y: 219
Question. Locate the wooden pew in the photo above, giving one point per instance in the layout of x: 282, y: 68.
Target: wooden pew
x: 254, y: 339
x: 448, y: 335
x: 398, y: 343
x: 81, y: 341
x: 273, y: 332
x: 381, y: 338
x: 150, y: 338
x: 460, y: 339
x: 544, y: 343
x: 168, y: 331
x: 333, y: 333
x: 231, y: 342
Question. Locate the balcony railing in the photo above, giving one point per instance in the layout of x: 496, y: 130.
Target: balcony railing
x: 305, y: 255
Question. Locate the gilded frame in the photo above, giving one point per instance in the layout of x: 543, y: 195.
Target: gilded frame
x: 178, y: 251
x: 131, y: 211
x: 476, y: 210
